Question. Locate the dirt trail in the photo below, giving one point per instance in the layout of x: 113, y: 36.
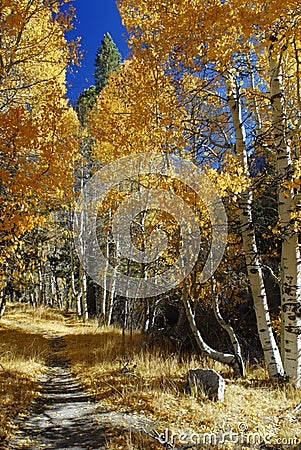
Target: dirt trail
x: 65, y: 416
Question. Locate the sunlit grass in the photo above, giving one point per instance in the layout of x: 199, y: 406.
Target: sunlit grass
x: 150, y: 381
x: 24, y: 333
x: 22, y: 356
x: 126, y: 374
x: 44, y: 320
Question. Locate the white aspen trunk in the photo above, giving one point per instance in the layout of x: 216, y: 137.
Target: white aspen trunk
x: 269, y: 346
x: 231, y: 333
x: 225, y: 358
x: 32, y: 300
x: 41, y: 297
x: 290, y: 253
x: 105, y: 313
x: 52, y: 287
x: 2, y: 304
x: 79, y: 308
x: 4, y: 294
x: 82, y: 304
x: 111, y: 298
x: 72, y: 287
x: 103, y: 307
x: 110, y: 308
x: 84, y: 296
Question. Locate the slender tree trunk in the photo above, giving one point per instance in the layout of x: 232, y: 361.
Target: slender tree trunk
x: 103, y: 305
x: 84, y: 285
x: 111, y: 296
x: 41, y: 278
x: 82, y: 306
x: 2, y: 305
x: 253, y: 262
x: 4, y: 296
x: 82, y: 295
x: 79, y: 306
x: 225, y: 358
x: 72, y: 293
x: 230, y: 331
x: 105, y: 292
x: 109, y: 314
x: 52, y: 285
x: 290, y: 253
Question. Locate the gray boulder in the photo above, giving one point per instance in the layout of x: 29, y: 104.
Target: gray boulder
x: 207, y: 381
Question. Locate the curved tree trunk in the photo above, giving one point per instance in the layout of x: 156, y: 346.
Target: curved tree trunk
x: 231, y: 333
x: 225, y: 358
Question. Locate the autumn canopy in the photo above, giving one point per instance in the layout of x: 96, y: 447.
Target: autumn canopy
x: 216, y: 83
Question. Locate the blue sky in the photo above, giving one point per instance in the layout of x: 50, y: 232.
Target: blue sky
x: 94, y: 19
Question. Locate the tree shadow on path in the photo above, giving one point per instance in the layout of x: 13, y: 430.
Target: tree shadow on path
x: 64, y: 416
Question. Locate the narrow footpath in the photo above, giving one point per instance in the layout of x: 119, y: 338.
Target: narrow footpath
x: 65, y: 416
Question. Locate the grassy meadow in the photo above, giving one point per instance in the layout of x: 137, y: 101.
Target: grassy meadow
x: 128, y: 375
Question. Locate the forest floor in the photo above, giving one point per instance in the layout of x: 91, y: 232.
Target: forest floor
x: 64, y: 384
x: 65, y: 415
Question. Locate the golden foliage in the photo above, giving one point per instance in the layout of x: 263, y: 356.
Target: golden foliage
x: 38, y: 129
x: 137, y: 112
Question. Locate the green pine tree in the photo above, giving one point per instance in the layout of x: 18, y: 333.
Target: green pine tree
x: 85, y: 102
x: 107, y: 61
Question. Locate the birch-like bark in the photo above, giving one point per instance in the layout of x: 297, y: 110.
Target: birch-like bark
x: 270, y: 349
x: 290, y: 252
x: 52, y: 288
x: 105, y: 293
x: 83, y: 294
x: 111, y: 296
x: 231, y: 333
x: 2, y: 305
x: 3, y: 298
x: 82, y: 307
x: 72, y: 294
x: 225, y: 358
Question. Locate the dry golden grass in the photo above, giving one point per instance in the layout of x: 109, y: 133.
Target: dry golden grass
x: 130, y: 376
x: 23, y: 351
x: 42, y: 320
x: 150, y: 381
x: 22, y: 356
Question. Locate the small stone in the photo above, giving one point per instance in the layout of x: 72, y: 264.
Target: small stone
x: 206, y: 380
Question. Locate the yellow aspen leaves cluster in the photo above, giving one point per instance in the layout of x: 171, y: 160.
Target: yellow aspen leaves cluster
x: 38, y: 128
x: 137, y: 112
